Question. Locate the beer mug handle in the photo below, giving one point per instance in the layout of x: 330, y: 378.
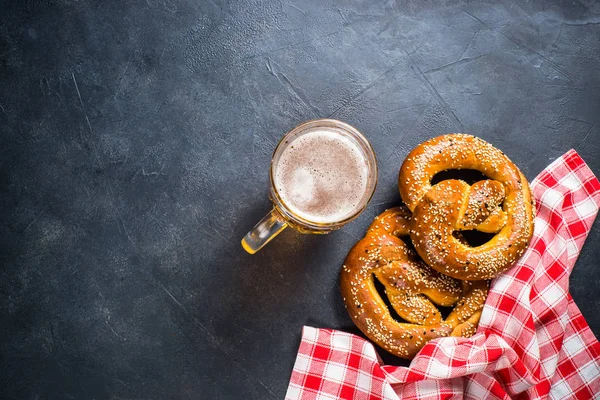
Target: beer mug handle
x: 262, y: 233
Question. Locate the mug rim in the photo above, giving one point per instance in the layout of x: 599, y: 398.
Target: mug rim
x: 301, y: 222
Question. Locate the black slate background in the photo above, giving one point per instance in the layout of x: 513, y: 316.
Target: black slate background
x: 136, y: 137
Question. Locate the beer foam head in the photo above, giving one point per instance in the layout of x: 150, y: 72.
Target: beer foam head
x: 322, y: 176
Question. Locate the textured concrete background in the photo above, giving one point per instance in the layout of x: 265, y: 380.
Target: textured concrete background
x: 136, y: 137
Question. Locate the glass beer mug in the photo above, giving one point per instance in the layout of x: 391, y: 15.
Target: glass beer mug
x: 323, y: 174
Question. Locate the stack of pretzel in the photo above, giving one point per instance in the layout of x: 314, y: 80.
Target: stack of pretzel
x: 443, y: 269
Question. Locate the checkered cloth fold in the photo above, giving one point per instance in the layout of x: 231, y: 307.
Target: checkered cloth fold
x: 532, y: 341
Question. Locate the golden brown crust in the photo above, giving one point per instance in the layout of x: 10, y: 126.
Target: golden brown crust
x: 411, y: 286
x: 502, y: 204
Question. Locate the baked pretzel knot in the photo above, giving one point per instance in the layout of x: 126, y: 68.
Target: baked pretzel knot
x: 502, y: 204
x: 413, y: 290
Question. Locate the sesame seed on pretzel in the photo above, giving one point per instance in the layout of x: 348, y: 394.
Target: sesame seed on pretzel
x: 502, y: 204
x: 413, y: 290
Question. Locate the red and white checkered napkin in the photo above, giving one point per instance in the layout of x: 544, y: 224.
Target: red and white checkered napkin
x: 532, y: 341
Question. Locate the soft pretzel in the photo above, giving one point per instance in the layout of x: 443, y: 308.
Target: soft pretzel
x: 502, y: 204
x: 412, y: 288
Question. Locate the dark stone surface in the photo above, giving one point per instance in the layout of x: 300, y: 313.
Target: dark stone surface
x: 136, y: 137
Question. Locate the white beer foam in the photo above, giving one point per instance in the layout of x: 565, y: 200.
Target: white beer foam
x: 322, y: 176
